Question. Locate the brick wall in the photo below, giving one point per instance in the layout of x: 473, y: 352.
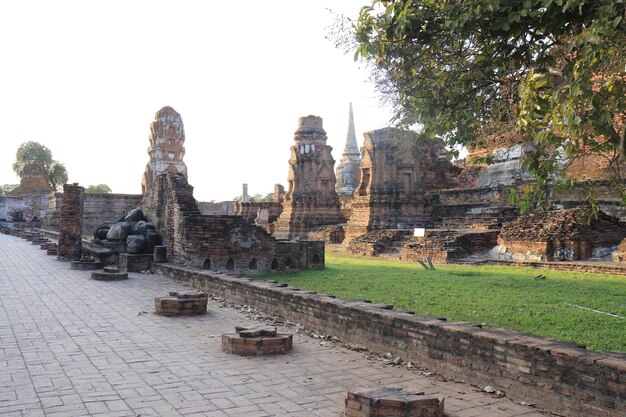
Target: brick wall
x: 27, y: 207
x: 101, y: 207
x: 221, y: 243
x: 97, y: 209
x: 70, y: 231
x: 552, y: 374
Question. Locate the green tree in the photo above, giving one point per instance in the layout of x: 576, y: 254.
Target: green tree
x: 29, y: 152
x: 100, y: 188
x: 553, y: 68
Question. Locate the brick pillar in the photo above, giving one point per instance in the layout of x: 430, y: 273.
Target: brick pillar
x: 70, y: 223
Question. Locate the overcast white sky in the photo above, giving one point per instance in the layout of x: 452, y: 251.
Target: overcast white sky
x: 85, y: 78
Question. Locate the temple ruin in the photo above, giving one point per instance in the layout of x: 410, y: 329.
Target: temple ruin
x: 311, y: 200
x: 29, y: 200
x: 348, y: 170
x: 397, y: 169
x: 167, y: 137
x: 398, y: 195
x: 213, y: 242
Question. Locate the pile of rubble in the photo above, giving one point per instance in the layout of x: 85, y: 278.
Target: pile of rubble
x: 572, y: 224
x: 565, y: 235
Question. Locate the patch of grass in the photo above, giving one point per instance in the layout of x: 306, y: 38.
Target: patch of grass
x: 495, y: 296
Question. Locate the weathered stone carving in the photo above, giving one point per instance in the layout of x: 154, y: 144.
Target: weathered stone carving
x: 311, y: 200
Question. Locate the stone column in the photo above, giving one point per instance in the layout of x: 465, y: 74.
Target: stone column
x: 70, y: 223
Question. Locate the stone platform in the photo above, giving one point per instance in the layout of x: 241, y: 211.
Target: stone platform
x: 130, y: 262
x: 86, y: 265
x: 109, y: 274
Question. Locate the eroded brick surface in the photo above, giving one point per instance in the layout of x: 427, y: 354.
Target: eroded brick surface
x: 311, y: 200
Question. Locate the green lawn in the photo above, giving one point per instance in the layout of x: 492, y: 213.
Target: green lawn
x: 495, y: 296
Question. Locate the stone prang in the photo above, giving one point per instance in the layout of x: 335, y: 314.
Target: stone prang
x: 311, y: 200
x: 167, y: 137
x: 348, y: 170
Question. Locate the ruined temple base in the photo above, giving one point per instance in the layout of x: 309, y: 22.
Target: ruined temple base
x: 367, y: 402
x: 181, y: 303
x: 86, y: 265
x: 109, y: 274
x: 130, y: 262
x: 253, y: 341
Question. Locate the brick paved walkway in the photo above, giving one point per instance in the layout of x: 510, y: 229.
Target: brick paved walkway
x: 72, y: 346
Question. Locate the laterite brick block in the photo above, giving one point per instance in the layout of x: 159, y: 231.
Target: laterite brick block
x: 187, y: 303
x: 366, y: 402
x: 252, y: 341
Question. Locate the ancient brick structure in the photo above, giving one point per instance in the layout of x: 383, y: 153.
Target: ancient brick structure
x: 330, y: 234
x: 181, y: 303
x: 441, y: 245
x: 565, y: 235
x: 97, y: 209
x: 385, y: 402
x: 311, y: 200
x: 554, y: 375
x: 70, y: 223
x: 109, y: 273
x: 227, y: 243
x: 397, y: 169
x: 279, y: 194
x: 251, y: 210
x: 28, y: 201
x: 167, y: 137
x: 348, y: 170
x: 33, y: 180
x: 86, y: 264
x: 252, y: 341
x: 135, y: 262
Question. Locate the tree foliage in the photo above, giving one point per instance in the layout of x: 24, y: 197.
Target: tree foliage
x: 99, y: 188
x: 553, y: 68
x: 29, y: 152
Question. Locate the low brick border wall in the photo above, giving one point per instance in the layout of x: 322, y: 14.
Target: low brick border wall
x: 552, y: 374
x: 574, y: 266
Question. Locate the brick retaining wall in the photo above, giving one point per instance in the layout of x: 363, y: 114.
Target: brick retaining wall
x: 552, y: 374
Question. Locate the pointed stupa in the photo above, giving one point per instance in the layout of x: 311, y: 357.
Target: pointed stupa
x: 351, y: 148
x: 348, y: 172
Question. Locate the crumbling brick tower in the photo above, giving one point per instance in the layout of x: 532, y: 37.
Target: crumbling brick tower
x: 397, y: 168
x: 167, y: 137
x: 218, y: 243
x: 311, y: 200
